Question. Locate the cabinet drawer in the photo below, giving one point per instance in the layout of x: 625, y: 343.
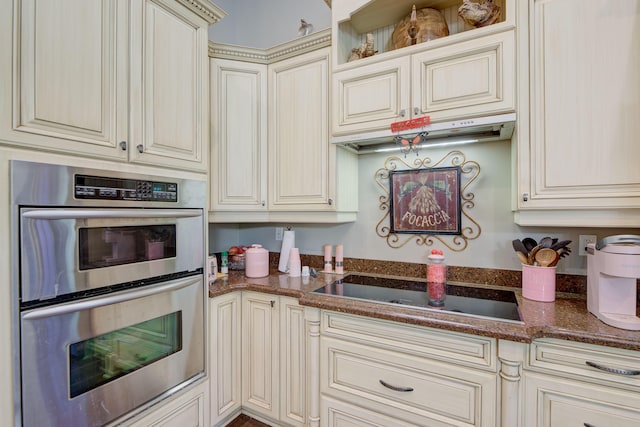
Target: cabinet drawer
x: 576, y: 360
x: 558, y: 402
x: 335, y: 413
x: 415, y: 389
x: 451, y: 347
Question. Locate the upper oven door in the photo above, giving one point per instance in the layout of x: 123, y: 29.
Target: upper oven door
x: 63, y: 251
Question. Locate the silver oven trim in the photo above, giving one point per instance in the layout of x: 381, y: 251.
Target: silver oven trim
x: 110, y: 213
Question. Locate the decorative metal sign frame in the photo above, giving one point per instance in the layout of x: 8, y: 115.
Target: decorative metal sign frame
x: 428, y: 201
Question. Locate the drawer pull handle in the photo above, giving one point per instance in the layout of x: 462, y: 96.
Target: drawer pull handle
x: 394, y: 388
x: 613, y: 370
x: 588, y: 425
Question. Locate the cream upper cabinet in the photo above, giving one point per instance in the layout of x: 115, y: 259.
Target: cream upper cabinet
x: 577, y: 138
x: 462, y: 80
x: 238, y: 137
x: 113, y: 80
x: 301, y: 168
x: 466, y: 74
x: 371, y: 97
x: 271, y: 158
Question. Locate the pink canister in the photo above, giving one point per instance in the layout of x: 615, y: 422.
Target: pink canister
x: 257, y: 261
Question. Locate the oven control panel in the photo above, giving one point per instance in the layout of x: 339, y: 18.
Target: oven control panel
x: 104, y: 188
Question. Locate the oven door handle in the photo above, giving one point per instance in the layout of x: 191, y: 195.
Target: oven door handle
x: 111, y: 213
x: 88, y: 304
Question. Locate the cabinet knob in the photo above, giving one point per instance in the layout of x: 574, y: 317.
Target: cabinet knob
x: 525, y: 197
x: 330, y: 201
x: 416, y: 111
x: 273, y: 303
x: 123, y: 145
x: 140, y: 148
x: 263, y: 203
x: 403, y: 112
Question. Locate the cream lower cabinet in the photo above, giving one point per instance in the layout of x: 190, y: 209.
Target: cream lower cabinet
x: 462, y: 80
x: 572, y: 384
x: 121, y: 81
x: 225, y: 315
x: 577, y: 138
x: 190, y: 409
x: 274, y: 375
x: 379, y: 373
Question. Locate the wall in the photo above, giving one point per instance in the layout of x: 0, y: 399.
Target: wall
x: 264, y: 24
x: 492, y: 249
x: 492, y: 189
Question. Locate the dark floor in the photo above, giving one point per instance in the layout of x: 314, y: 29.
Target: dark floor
x: 243, y: 420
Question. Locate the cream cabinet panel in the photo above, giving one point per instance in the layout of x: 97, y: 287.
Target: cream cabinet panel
x: 293, y: 363
x: 260, y: 359
x: 467, y: 79
x: 301, y: 160
x: 557, y: 402
x: 238, y: 171
x: 414, y: 375
x: 335, y: 413
x: 457, y: 81
x: 224, y: 356
x: 71, y: 91
x: 187, y: 410
x: 371, y: 97
x: 124, y: 81
x: 170, y: 102
x: 578, y: 127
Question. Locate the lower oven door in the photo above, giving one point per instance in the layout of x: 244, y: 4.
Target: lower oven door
x: 89, y: 362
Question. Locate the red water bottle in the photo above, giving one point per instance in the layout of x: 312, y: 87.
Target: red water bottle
x: 436, y: 278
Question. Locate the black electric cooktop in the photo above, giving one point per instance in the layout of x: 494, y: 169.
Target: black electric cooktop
x: 467, y: 300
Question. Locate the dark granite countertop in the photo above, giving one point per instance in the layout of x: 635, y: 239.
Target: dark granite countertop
x: 566, y: 318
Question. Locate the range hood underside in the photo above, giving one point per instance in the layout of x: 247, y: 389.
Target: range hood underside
x: 491, y: 128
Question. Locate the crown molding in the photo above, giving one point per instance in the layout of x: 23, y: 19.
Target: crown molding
x: 295, y: 47
x: 204, y: 8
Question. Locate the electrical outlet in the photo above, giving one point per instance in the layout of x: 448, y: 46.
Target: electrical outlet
x: 279, y: 233
x: 584, y: 240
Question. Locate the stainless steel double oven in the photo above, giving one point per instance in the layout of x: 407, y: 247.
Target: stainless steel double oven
x: 109, y: 291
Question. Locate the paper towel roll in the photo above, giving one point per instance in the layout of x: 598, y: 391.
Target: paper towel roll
x: 288, y: 242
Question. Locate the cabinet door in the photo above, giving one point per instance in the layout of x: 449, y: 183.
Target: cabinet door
x: 70, y: 93
x: 468, y: 79
x: 293, y: 366
x: 238, y: 172
x: 301, y: 160
x: 169, y: 86
x: 187, y: 410
x: 578, y: 131
x: 224, y: 330
x: 371, y: 97
x: 260, y: 361
x: 557, y: 402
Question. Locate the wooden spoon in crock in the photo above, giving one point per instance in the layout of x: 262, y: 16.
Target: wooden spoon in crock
x: 547, y: 257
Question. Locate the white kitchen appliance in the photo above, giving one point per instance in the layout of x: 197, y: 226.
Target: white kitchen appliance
x: 613, y: 268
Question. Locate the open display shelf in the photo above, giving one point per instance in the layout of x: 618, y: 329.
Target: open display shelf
x: 355, y: 18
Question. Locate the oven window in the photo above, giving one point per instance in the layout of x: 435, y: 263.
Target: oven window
x: 110, y: 246
x: 104, y: 358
